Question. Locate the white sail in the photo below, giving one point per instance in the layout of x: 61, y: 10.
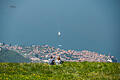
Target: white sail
x: 59, y: 33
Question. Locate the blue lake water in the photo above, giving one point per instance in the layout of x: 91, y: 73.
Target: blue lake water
x: 92, y: 25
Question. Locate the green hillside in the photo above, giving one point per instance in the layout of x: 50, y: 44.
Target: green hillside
x: 66, y: 71
x: 11, y: 56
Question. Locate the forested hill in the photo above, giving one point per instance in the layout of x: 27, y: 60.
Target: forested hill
x: 11, y: 56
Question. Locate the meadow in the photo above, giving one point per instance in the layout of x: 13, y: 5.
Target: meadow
x: 65, y: 71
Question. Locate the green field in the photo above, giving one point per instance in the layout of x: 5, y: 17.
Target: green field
x: 66, y: 71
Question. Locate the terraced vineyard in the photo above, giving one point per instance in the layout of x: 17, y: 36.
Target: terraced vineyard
x: 66, y: 71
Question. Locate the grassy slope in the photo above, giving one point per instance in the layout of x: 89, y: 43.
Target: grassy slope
x: 66, y: 71
x: 11, y: 56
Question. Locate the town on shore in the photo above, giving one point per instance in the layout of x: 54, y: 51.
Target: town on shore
x: 41, y: 53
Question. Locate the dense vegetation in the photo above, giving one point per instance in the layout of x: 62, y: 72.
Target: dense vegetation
x: 66, y: 71
x: 11, y: 56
